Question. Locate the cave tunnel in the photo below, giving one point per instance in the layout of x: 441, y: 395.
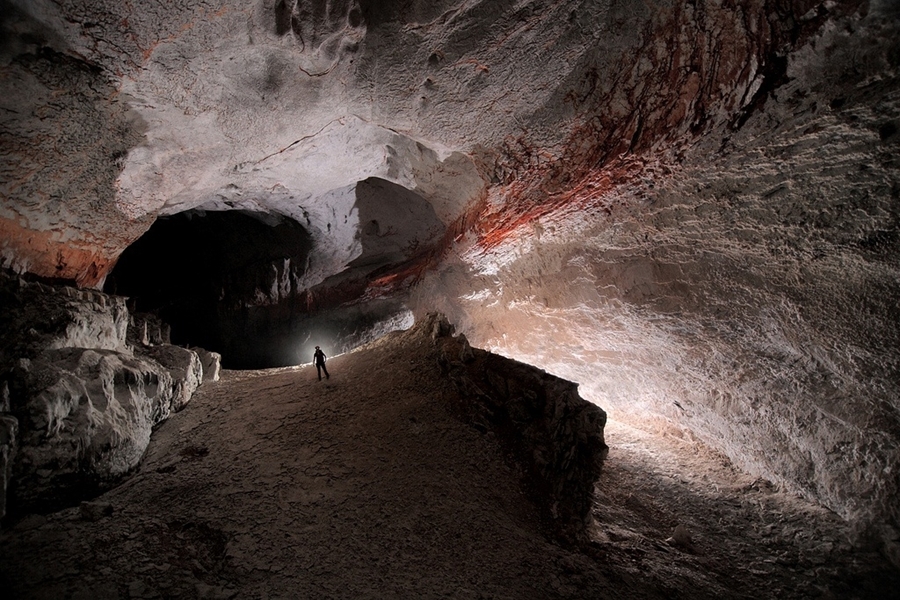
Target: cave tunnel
x: 688, y: 212
x: 203, y: 273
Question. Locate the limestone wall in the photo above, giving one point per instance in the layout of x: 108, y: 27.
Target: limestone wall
x: 79, y: 404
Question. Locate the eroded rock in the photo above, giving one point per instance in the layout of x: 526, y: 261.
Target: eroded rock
x: 555, y: 435
x: 37, y: 316
x: 145, y: 329
x: 183, y: 365
x: 78, y: 403
x: 86, y: 417
x: 211, y: 362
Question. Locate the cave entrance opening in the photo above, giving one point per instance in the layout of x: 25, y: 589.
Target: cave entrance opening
x: 202, y: 272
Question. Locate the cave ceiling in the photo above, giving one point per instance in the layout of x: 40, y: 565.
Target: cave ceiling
x: 274, y: 105
x: 690, y: 208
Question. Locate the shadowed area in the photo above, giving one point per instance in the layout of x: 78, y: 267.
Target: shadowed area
x: 203, y: 273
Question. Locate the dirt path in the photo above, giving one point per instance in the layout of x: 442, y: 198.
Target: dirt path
x: 274, y: 485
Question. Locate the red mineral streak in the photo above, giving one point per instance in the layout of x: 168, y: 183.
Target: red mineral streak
x: 45, y: 256
x: 518, y: 211
x: 699, y: 68
x: 676, y: 87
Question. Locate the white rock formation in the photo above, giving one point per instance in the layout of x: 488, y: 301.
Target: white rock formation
x: 184, y: 366
x: 744, y: 292
x: 211, y: 362
x: 85, y: 417
x: 78, y: 405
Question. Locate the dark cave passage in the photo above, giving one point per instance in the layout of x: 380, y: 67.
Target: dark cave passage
x: 208, y: 273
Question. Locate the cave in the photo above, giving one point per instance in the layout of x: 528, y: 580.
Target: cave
x: 244, y: 283
x: 503, y: 222
x: 200, y: 273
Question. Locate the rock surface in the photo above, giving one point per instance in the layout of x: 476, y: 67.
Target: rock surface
x: 742, y: 291
x: 211, y: 362
x: 185, y: 368
x: 9, y: 432
x: 541, y: 419
x: 79, y: 404
x: 38, y: 316
x: 85, y: 417
x: 688, y: 208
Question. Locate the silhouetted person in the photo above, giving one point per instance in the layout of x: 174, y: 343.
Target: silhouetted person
x: 319, y: 360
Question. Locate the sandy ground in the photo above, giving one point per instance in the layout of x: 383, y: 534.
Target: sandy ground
x: 271, y: 484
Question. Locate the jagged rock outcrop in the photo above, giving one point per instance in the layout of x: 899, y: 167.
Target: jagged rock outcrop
x: 85, y: 417
x: 38, y: 316
x: 79, y: 403
x: 555, y: 435
x: 184, y: 366
x: 210, y: 362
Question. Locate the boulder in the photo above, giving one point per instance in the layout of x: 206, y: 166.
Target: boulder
x: 211, y: 362
x: 86, y: 418
x: 183, y: 365
x: 78, y: 404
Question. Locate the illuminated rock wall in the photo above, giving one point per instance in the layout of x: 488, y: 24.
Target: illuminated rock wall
x: 745, y: 292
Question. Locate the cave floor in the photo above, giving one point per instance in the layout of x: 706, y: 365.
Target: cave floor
x: 746, y: 538
x: 271, y: 484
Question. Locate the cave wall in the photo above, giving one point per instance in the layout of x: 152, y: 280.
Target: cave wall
x: 79, y: 399
x: 202, y: 274
x: 171, y: 110
x: 744, y: 293
x: 66, y: 133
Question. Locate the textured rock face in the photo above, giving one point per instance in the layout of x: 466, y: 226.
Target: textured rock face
x: 77, y: 131
x: 86, y: 417
x: 36, y: 316
x: 184, y: 366
x: 745, y: 292
x: 78, y: 404
x: 545, y: 424
x: 689, y: 208
x: 211, y: 363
